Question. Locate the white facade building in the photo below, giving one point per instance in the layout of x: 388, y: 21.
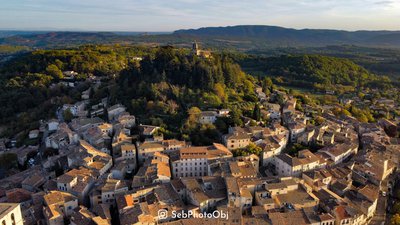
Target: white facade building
x: 286, y: 165
x: 193, y: 161
x: 10, y: 213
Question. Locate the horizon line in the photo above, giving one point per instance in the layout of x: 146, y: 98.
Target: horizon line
x: 197, y: 28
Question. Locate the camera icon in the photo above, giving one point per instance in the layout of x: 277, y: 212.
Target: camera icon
x: 162, y: 214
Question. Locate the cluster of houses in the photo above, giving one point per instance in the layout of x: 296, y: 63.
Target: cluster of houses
x: 384, y: 106
x: 102, y: 170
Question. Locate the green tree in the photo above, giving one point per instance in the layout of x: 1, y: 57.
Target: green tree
x: 249, y: 150
x: 54, y: 71
x: 248, y: 86
x: 8, y: 161
x: 221, y: 125
x: 235, y: 115
x: 345, y: 112
x: 210, y: 99
x: 219, y: 90
x: 267, y: 85
x: 67, y: 115
x: 204, y: 135
x: 193, y: 117
x: 59, y: 63
x: 280, y: 99
x: 395, y: 219
x: 257, y: 112
x: 253, y: 149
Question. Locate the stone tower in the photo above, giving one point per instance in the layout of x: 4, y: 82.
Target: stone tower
x: 195, y: 48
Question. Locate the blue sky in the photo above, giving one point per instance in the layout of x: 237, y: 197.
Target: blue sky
x: 169, y: 15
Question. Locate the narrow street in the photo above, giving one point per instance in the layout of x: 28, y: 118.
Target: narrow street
x: 380, y: 214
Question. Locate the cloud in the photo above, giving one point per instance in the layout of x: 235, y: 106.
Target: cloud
x: 384, y: 3
x: 167, y: 15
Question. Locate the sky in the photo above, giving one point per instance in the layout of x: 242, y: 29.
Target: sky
x: 170, y: 15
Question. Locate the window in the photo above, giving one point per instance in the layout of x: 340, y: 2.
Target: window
x: 3, y: 223
x: 13, y: 219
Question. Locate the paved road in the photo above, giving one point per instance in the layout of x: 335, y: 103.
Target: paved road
x: 42, y: 147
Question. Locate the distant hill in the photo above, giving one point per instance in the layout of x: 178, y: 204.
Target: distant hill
x: 8, y: 33
x: 280, y: 36
x: 69, y: 38
x: 243, y: 38
x: 58, y: 38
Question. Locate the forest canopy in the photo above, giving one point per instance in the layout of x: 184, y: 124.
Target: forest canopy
x: 315, y: 71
